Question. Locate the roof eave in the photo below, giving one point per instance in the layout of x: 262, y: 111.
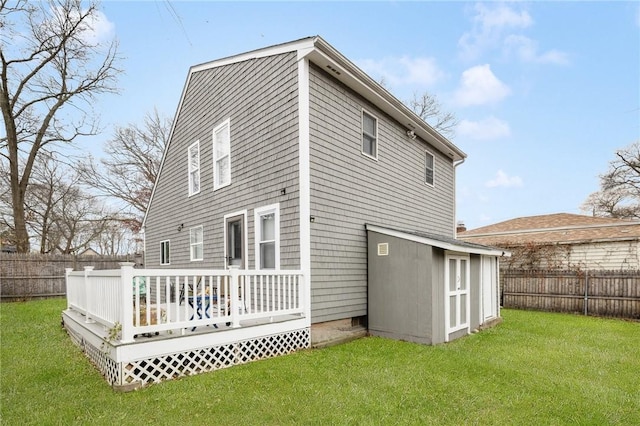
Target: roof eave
x: 485, y: 250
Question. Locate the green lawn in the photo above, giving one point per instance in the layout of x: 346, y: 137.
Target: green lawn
x: 534, y: 368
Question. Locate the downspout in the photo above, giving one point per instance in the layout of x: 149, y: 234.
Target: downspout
x: 304, y: 179
x: 455, y: 207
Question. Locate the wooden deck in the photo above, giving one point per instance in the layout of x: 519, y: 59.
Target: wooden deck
x: 154, y: 330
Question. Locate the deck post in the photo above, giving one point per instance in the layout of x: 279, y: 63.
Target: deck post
x: 88, y: 294
x: 234, y: 274
x: 126, y: 322
x: 67, y: 272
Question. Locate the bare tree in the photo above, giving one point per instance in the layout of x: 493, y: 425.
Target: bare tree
x: 51, y: 69
x: 619, y: 194
x: 427, y: 107
x: 129, y: 170
x: 80, y: 221
x: 116, y: 239
x: 60, y: 216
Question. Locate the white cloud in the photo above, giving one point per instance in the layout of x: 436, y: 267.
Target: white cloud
x: 489, y: 25
x: 99, y: 28
x: 479, y: 86
x: 499, y: 16
x: 503, y: 180
x: 527, y: 50
x: 500, y: 26
x: 404, y: 70
x: 95, y: 29
x: 487, y: 129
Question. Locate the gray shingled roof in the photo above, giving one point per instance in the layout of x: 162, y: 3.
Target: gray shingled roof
x: 554, y: 228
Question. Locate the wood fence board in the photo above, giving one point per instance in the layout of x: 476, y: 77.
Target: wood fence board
x: 25, y: 276
x: 605, y: 293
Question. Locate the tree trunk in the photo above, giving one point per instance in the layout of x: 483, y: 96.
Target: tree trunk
x: 19, y: 222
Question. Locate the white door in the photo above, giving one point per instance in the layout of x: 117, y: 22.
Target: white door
x: 457, y: 294
x: 489, y: 284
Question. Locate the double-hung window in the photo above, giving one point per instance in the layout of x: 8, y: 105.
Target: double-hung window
x: 196, y: 243
x: 164, y: 253
x: 267, y: 222
x: 194, y: 168
x: 221, y: 155
x: 369, y: 135
x: 430, y: 169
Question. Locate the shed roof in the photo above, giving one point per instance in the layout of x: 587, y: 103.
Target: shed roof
x: 559, y: 228
x: 439, y: 241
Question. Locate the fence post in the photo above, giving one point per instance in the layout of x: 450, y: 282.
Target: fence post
x: 586, y: 291
x: 234, y: 274
x: 67, y: 272
x: 126, y: 322
x: 88, y: 294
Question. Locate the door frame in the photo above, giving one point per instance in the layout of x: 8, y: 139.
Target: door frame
x: 489, y: 280
x: 245, y: 238
x: 448, y: 329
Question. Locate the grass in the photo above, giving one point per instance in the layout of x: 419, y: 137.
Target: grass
x: 535, y: 368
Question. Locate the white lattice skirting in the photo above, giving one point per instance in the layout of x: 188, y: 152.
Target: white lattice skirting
x: 131, y: 375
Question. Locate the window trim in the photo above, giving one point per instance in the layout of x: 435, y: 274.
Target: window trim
x: 192, y: 244
x: 165, y: 260
x: 226, y: 123
x: 362, y: 135
x: 258, y: 213
x: 190, y: 170
x: 433, y: 169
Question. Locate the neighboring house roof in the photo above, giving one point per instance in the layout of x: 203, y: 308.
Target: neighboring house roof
x: 321, y: 53
x: 439, y: 241
x: 88, y: 252
x: 560, y: 228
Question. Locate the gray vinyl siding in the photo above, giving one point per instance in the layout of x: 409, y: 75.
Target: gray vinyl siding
x: 259, y: 97
x: 349, y: 189
x: 400, y: 290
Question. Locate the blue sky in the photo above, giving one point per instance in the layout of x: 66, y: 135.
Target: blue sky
x: 545, y: 92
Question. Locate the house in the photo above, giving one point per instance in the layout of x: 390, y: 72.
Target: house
x: 564, y: 240
x: 283, y: 166
x: 88, y: 252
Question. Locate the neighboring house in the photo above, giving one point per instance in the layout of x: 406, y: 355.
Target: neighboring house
x: 88, y: 252
x: 564, y: 240
x: 7, y: 248
x: 279, y: 157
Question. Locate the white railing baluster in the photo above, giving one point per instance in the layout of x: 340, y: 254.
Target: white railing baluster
x: 235, y: 321
x: 167, y: 297
x: 118, y: 296
x: 279, y: 289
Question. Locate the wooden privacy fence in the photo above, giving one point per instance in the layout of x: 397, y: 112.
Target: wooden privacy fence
x: 26, y: 276
x: 601, y: 293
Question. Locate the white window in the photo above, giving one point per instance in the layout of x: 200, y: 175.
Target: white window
x: 196, y: 243
x: 430, y: 168
x: 221, y: 156
x: 164, y: 252
x: 267, y: 241
x: 369, y: 135
x: 194, y: 168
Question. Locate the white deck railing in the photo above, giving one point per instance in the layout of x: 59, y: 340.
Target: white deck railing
x: 154, y: 300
